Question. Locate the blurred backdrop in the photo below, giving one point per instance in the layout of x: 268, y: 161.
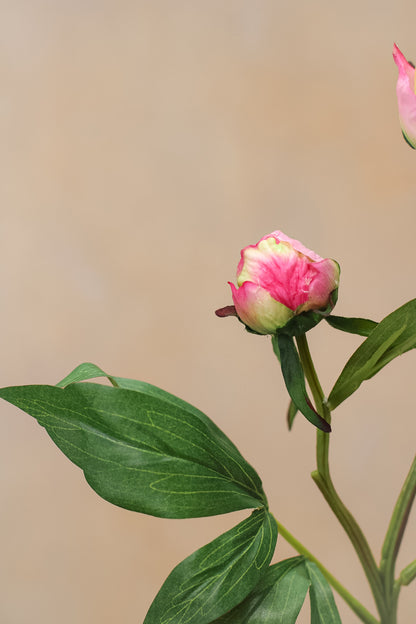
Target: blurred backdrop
x: 143, y: 144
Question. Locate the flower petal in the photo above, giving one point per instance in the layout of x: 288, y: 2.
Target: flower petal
x: 280, y: 236
x: 326, y: 279
x: 406, y: 96
x: 280, y: 269
x: 257, y: 309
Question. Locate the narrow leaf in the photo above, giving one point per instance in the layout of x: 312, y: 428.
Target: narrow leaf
x: 360, y: 326
x: 144, y: 450
x: 218, y: 576
x: 276, y: 599
x: 323, y: 607
x: 291, y: 414
x: 276, y: 349
x: 393, y: 336
x: 295, y: 381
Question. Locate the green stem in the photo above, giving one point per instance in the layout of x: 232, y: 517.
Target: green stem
x: 408, y: 574
x: 322, y: 478
x: 353, y: 603
x: 395, y: 533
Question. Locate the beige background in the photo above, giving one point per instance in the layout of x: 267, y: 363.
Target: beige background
x: 142, y: 145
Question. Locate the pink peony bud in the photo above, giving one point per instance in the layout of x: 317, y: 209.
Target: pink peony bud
x: 278, y: 279
x: 406, y: 97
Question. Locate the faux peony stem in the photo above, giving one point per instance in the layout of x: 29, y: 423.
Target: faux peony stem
x: 322, y: 478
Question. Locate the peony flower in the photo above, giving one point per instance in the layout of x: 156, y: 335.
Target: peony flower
x: 278, y: 279
x: 406, y: 97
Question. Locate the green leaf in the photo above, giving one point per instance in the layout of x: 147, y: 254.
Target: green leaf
x: 276, y: 349
x: 360, y: 326
x: 280, y: 594
x: 295, y: 380
x: 217, y: 576
x: 323, y: 607
x: 87, y: 371
x: 144, y: 449
x: 276, y: 599
x: 84, y: 372
x: 393, y: 336
x: 291, y: 414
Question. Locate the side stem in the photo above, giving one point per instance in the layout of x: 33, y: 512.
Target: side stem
x: 352, y: 602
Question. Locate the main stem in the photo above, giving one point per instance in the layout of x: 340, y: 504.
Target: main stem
x: 322, y: 478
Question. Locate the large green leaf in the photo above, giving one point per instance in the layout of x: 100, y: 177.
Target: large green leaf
x: 295, y: 380
x: 217, y: 576
x: 393, y: 336
x: 279, y: 596
x: 144, y: 449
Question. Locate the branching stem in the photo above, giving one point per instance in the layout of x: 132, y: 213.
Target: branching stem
x: 322, y: 478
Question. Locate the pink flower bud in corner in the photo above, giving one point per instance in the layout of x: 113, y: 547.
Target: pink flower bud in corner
x: 406, y: 97
x: 278, y: 279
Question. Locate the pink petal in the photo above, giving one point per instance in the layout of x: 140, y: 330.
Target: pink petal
x: 278, y: 268
x: 258, y: 310
x: 326, y: 280
x: 406, y: 97
x: 280, y: 236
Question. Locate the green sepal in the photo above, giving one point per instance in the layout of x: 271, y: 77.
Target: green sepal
x: 359, y: 326
x: 408, y: 141
x: 279, y: 596
x: 394, y: 335
x: 294, y: 378
x: 218, y: 576
x: 142, y: 448
x: 303, y: 322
